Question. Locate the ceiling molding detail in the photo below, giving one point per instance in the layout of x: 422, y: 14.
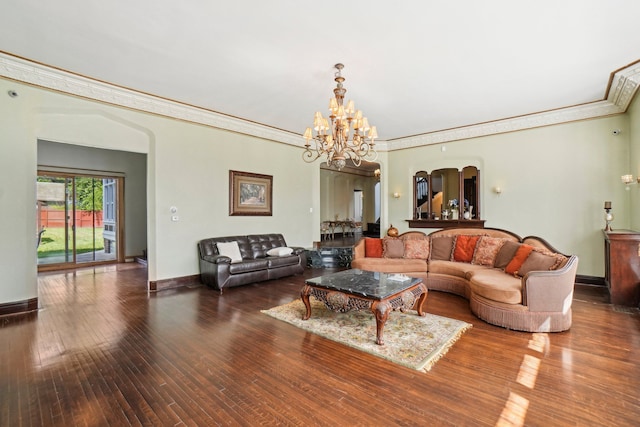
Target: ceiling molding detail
x: 61, y: 81
x: 624, y: 85
x: 554, y: 117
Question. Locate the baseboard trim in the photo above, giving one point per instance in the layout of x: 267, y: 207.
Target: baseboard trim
x: 176, y: 282
x: 19, y: 307
x: 590, y: 280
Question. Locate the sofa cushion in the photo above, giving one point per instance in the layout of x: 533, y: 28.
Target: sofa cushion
x: 282, y: 261
x: 442, y: 248
x: 248, y: 266
x: 495, y: 285
x: 506, y: 252
x: 281, y: 251
x: 372, y: 247
x: 259, y: 244
x: 518, y: 259
x: 230, y: 249
x: 392, y: 247
x: 453, y: 268
x: 416, y: 248
x: 464, y: 247
x: 487, y: 250
x: 537, y: 261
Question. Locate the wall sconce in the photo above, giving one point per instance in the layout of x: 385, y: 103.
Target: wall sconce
x: 497, y: 190
x: 396, y: 195
x: 628, y: 180
x: 608, y: 216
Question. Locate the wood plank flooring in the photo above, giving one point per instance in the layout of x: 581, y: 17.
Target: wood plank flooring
x: 102, y: 351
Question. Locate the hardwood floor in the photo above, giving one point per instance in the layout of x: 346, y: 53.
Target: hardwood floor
x: 101, y: 351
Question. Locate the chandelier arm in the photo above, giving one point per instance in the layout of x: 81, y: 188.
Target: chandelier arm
x: 364, y: 151
x: 311, y: 155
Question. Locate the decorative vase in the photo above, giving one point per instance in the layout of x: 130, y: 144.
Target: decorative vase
x: 466, y: 215
x: 392, y: 231
x: 454, y: 214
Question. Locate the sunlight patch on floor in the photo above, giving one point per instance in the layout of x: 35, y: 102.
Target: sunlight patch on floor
x: 514, y: 412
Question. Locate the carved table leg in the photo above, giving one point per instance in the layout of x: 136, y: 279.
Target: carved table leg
x: 304, y: 294
x: 381, y: 310
x: 422, y: 299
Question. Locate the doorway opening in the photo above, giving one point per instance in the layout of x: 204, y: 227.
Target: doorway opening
x: 357, y: 205
x: 78, y: 220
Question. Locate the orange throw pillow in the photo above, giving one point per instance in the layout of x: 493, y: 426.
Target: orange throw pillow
x: 465, y: 247
x: 518, y: 259
x: 372, y: 248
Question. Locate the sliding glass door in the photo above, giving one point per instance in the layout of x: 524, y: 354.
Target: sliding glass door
x: 77, y: 219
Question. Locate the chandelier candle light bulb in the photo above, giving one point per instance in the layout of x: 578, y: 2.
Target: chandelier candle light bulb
x: 348, y: 137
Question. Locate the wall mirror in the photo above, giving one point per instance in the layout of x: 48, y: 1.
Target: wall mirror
x: 470, y: 190
x: 422, y: 195
x: 447, y: 195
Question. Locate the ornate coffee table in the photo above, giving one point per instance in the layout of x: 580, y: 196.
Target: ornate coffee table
x: 359, y: 289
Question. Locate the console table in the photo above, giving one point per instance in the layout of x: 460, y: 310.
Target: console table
x: 622, y: 266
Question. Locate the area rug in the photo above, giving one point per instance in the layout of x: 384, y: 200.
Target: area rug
x: 409, y: 340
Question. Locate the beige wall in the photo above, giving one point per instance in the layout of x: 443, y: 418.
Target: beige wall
x: 187, y: 167
x: 336, y: 190
x: 17, y: 199
x: 554, y: 181
x: 634, y: 163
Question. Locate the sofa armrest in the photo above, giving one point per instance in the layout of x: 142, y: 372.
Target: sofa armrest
x: 297, y: 250
x: 217, y: 259
x: 550, y: 290
x: 358, y: 250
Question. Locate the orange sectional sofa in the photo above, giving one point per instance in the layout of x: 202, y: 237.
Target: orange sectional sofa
x: 517, y: 283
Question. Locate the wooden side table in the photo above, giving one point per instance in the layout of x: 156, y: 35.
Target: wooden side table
x: 622, y: 266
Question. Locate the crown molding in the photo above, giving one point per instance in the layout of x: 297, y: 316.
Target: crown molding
x: 35, y: 74
x: 622, y: 88
x: 624, y: 85
x: 554, y: 117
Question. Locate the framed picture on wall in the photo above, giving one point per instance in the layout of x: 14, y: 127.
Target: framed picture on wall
x: 250, y: 194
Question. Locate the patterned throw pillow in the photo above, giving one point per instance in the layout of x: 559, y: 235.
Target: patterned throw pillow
x: 372, y: 247
x: 487, y: 250
x: 464, y: 247
x: 442, y: 248
x: 416, y: 248
x: 392, y: 248
x: 518, y: 259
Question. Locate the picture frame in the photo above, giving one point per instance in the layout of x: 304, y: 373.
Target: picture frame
x: 250, y: 194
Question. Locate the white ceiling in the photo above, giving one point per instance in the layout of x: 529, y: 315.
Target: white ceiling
x: 413, y: 67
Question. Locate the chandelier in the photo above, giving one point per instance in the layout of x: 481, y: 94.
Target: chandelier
x: 348, y: 136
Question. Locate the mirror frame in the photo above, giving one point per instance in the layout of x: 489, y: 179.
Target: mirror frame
x: 420, y: 219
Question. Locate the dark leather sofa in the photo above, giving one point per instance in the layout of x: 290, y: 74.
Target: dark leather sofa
x: 217, y: 271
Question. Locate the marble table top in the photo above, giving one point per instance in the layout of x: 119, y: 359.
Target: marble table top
x: 368, y: 284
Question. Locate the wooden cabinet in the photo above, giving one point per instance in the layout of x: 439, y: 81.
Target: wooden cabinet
x: 622, y: 266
